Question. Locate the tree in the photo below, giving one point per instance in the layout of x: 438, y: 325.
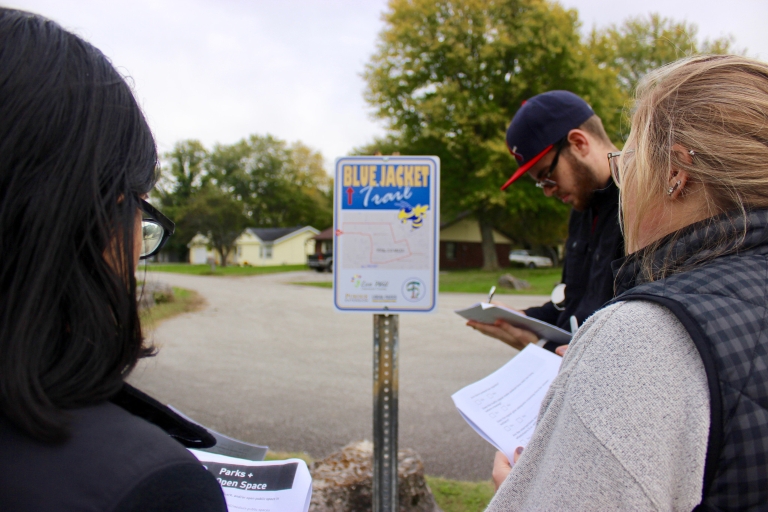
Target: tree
x: 182, y: 174
x: 186, y: 172
x: 448, y: 76
x: 639, y: 45
x: 642, y: 44
x: 217, y: 215
x: 275, y: 184
x: 280, y: 184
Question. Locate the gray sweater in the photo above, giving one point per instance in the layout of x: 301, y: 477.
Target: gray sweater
x: 624, y: 425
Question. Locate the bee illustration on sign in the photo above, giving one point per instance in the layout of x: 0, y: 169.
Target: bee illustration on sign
x: 414, y: 214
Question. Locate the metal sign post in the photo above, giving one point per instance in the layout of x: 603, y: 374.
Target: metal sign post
x: 385, y: 387
x: 386, y: 222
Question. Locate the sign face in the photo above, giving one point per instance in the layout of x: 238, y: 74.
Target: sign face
x: 386, y: 223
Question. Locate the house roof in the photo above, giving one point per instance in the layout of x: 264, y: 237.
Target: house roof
x: 463, y: 215
x: 326, y: 234
x: 465, y: 228
x: 273, y: 234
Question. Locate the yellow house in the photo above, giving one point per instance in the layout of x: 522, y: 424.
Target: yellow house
x: 260, y: 247
x: 275, y: 246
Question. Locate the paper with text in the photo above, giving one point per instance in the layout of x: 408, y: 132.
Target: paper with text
x: 269, y: 486
x: 504, y: 406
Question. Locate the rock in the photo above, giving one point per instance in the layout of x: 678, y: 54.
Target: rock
x: 510, y: 281
x: 343, y: 481
x: 152, y: 293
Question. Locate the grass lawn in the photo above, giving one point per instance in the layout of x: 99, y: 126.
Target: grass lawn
x: 205, y: 270
x: 479, y: 281
x: 316, y: 284
x: 183, y: 301
x: 458, y: 496
x: 451, y: 495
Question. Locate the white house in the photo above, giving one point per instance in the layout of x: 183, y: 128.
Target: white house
x: 199, y: 251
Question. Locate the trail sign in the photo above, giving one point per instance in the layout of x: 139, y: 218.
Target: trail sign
x: 386, y: 225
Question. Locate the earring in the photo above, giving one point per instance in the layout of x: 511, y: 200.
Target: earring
x: 691, y: 152
x: 674, y: 187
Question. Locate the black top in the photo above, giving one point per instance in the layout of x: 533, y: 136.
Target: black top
x: 594, y: 241
x: 113, y: 461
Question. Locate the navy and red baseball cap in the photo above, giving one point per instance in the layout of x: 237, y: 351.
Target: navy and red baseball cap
x: 540, y: 123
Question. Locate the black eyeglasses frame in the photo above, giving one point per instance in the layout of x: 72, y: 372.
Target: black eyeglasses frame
x: 543, y: 180
x: 161, y: 220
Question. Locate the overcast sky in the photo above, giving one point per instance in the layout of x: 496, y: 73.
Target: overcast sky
x: 219, y: 70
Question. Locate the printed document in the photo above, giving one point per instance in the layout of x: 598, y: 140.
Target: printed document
x: 487, y: 313
x: 267, y: 486
x: 504, y: 406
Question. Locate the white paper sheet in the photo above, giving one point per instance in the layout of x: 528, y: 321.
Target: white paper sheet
x: 267, y: 486
x: 504, y: 406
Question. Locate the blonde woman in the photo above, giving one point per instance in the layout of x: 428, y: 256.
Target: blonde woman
x: 662, y: 399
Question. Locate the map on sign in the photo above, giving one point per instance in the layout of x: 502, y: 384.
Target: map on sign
x: 386, y: 223
x: 386, y: 244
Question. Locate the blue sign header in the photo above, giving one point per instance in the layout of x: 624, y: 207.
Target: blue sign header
x: 384, y: 186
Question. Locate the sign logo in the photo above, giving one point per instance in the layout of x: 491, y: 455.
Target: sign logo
x: 414, y: 214
x: 356, y: 280
x: 414, y: 289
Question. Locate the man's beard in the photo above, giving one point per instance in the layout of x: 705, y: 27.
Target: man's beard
x: 586, y: 183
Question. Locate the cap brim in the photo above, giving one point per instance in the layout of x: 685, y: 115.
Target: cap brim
x: 524, y: 168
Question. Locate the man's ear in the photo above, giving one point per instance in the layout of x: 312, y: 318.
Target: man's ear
x: 579, y: 142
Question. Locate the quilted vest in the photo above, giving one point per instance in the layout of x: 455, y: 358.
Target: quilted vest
x: 723, y: 304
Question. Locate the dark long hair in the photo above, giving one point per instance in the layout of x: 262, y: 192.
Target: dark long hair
x: 75, y: 155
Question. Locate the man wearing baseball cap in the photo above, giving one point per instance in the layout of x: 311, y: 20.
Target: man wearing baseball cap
x: 559, y: 142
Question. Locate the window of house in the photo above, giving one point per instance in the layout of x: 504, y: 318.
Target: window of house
x: 450, y: 251
x: 265, y: 252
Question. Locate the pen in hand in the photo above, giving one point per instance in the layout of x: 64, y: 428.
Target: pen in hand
x: 490, y: 294
x: 574, y: 325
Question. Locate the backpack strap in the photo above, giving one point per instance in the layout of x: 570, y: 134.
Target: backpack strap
x: 700, y: 339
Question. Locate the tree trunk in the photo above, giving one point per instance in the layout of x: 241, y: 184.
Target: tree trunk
x: 552, y: 253
x: 224, y: 254
x: 490, y: 262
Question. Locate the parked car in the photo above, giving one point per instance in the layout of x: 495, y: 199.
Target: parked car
x: 528, y: 259
x: 322, y: 262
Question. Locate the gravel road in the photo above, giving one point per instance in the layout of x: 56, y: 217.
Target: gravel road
x: 272, y: 363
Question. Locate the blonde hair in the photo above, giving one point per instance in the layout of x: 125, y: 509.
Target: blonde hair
x: 717, y: 106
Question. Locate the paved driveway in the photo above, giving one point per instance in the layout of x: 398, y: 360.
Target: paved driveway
x: 272, y: 363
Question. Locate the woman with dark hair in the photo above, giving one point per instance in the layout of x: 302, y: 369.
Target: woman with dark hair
x: 77, y: 160
x: 661, y: 402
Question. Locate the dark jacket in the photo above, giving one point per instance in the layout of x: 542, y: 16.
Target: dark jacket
x: 120, y: 457
x: 723, y: 304
x: 594, y: 241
